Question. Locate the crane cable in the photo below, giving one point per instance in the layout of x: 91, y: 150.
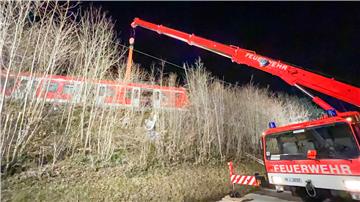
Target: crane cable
x: 131, y: 48
x: 167, y: 62
x: 154, y: 57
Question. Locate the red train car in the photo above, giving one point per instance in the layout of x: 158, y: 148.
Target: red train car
x: 66, y: 89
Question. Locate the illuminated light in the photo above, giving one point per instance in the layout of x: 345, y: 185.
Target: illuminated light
x: 263, y: 133
x: 352, y: 185
x: 349, y: 119
x: 276, y: 179
x: 272, y: 124
x: 331, y: 112
x: 299, y: 131
x: 131, y: 40
x: 279, y: 188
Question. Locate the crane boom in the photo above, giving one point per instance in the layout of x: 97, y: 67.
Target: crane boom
x: 292, y: 75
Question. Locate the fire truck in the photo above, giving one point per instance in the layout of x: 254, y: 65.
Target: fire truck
x: 315, y: 159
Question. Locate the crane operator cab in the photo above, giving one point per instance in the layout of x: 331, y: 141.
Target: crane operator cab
x: 315, y: 159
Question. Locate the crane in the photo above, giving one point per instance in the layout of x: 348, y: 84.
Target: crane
x: 292, y: 75
x: 313, y: 159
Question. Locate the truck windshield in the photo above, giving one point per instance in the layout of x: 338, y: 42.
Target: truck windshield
x: 334, y: 141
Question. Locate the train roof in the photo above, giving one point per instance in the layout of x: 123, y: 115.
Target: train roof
x: 108, y: 82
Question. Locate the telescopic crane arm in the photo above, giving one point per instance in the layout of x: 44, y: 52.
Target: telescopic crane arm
x: 290, y: 74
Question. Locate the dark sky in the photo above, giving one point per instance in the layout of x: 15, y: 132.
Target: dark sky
x: 322, y: 37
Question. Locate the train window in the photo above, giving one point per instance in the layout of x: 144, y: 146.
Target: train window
x: 146, y: 97
x: 106, y: 91
x: 23, y: 84
x: 53, y: 87
x: 2, y: 81
x: 157, y: 95
x: 68, y: 89
x: 102, y: 90
x: 9, y: 84
x: 128, y: 93
x: 34, y: 85
x: 110, y: 91
x: 146, y: 93
x: 136, y: 93
x: 166, y: 98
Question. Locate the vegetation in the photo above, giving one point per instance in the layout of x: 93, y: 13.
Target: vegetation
x: 70, y: 152
x: 74, y: 182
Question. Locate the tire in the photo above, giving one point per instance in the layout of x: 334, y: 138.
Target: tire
x: 321, y: 195
x: 234, y: 194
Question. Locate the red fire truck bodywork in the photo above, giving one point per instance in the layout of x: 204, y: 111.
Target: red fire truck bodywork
x: 325, y: 173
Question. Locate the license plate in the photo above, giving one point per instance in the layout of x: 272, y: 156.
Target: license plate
x: 292, y: 179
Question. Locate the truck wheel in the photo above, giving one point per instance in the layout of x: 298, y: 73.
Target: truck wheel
x: 317, y: 196
x: 234, y: 194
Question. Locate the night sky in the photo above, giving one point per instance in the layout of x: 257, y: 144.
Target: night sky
x: 323, y: 37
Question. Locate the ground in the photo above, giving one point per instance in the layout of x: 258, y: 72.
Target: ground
x: 73, y: 182
x: 264, y: 195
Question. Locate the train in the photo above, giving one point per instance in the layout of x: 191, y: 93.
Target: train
x: 68, y: 89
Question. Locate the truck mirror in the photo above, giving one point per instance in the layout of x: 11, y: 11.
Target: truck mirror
x: 311, y: 154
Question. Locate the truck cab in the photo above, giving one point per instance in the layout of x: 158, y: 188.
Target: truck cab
x: 315, y: 159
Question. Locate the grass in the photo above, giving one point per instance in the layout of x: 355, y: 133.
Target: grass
x: 69, y: 181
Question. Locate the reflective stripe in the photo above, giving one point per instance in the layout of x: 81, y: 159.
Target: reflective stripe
x: 244, y: 180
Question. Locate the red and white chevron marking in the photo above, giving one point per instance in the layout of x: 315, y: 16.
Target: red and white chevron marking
x: 244, y: 180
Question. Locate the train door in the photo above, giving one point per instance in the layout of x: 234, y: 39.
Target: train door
x: 146, y: 98
x: 101, y: 94
x: 50, y: 90
x: 135, y: 97
x: 35, y: 88
x: 9, y: 85
x: 77, y: 92
x: 157, y: 99
x: 71, y: 92
x: 22, y: 89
